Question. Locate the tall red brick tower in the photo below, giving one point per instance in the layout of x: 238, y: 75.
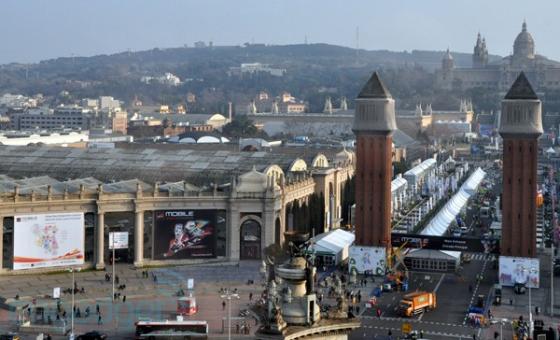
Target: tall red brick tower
x: 374, y: 123
x: 520, y: 127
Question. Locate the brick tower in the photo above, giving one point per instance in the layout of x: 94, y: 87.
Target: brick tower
x: 520, y: 127
x: 374, y: 123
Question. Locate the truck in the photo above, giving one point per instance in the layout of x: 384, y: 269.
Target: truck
x: 417, y: 302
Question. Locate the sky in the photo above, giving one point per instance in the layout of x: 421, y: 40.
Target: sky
x: 34, y: 30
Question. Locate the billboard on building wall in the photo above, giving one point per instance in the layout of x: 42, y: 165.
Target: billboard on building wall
x: 367, y: 259
x: 185, y: 234
x: 48, y: 240
x: 522, y: 270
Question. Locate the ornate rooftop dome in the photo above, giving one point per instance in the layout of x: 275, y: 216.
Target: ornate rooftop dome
x: 524, y: 45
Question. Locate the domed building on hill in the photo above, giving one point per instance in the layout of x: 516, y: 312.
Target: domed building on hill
x: 542, y: 72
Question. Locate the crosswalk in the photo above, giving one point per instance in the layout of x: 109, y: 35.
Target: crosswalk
x: 482, y: 257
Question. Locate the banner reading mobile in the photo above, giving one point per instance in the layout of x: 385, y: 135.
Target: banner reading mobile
x: 48, y: 240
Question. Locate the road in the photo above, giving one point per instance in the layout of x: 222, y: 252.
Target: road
x: 448, y: 320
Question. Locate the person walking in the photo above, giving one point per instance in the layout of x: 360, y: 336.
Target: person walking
x: 224, y: 305
x: 250, y: 296
x: 97, y: 309
x: 124, y: 299
x: 99, y: 320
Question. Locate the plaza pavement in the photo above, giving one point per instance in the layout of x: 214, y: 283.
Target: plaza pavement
x: 145, y: 298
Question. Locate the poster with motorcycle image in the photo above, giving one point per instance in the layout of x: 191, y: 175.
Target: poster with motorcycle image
x: 185, y: 234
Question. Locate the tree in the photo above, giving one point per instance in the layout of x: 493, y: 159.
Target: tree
x: 348, y: 198
x: 241, y: 127
x: 400, y: 167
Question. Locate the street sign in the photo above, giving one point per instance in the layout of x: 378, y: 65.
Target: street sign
x: 190, y: 284
x: 56, y: 293
x: 118, y: 240
x: 474, y: 245
x: 406, y: 328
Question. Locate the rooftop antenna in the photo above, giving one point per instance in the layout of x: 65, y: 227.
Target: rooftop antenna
x: 306, y: 39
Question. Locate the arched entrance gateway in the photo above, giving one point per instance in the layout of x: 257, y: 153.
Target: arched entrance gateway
x: 250, y: 240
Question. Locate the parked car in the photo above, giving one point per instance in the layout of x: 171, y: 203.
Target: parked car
x: 519, y: 288
x: 9, y: 336
x: 93, y: 335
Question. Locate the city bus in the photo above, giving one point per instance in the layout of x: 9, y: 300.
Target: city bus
x: 171, y: 329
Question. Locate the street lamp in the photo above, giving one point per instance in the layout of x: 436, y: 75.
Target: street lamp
x: 228, y: 296
x: 501, y: 322
x: 529, y: 271
x: 73, y: 270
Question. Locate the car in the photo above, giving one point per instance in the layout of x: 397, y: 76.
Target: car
x: 519, y: 288
x: 9, y: 336
x: 93, y: 335
x: 387, y: 287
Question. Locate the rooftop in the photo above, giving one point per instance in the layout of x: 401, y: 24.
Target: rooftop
x: 374, y: 88
x: 199, y: 166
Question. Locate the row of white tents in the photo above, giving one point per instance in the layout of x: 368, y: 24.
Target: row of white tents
x: 441, y: 222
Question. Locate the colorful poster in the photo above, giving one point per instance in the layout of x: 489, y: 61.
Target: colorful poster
x: 185, y: 234
x: 521, y: 270
x: 367, y: 259
x: 48, y: 240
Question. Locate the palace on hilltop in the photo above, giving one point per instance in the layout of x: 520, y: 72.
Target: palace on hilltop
x: 542, y: 72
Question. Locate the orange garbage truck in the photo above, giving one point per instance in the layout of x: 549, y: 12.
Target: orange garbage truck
x: 416, y: 303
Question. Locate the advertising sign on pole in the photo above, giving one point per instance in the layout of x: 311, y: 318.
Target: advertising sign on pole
x: 48, y: 240
x: 190, y: 284
x: 367, y: 259
x: 56, y: 293
x: 118, y: 240
x: 521, y: 270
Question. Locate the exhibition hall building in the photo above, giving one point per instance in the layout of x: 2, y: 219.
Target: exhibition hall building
x: 160, y: 204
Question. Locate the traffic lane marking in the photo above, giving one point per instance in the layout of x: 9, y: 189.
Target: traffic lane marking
x: 428, y: 332
x: 387, y: 318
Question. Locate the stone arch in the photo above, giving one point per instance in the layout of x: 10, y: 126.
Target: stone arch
x: 320, y: 161
x: 250, y: 236
x: 275, y: 172
x: 298, y: 165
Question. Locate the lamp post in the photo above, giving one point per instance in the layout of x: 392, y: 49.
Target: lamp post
x: 112, y: 236
x: 72, y: 270
x: 501, y: 321
x: 530, y: 271
x: 228, y: 296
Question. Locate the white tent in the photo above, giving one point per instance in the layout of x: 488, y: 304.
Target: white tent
x: 398, y: 183
x: 441, y: 222
x: 334, y: 243
x: 419, y: 171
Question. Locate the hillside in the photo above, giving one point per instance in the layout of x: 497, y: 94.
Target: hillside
x: 310, y: 69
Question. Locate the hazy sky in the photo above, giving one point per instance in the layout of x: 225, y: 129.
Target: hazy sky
x: 32, y: 30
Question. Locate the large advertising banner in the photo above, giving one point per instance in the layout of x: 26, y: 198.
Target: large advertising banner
x: 185, y: 234
x: 367, y: 259
x: 521, y: 270
x: 48, y: 240
x: 474, y: 245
